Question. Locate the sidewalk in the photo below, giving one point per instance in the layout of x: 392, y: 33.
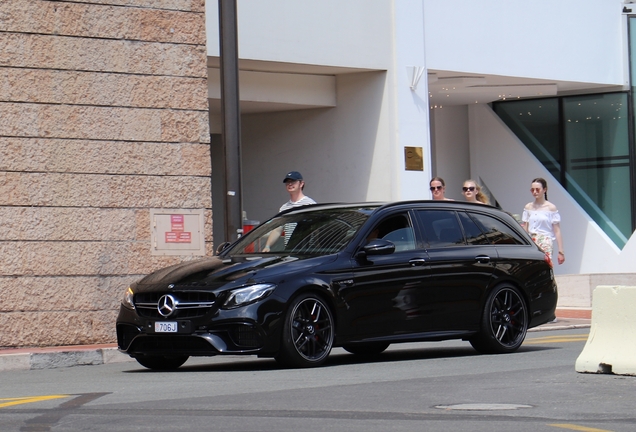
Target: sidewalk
x: 82, y: 355
x: 60, y: 356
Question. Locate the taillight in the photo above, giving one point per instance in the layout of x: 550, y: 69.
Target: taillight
x: 548, y: 259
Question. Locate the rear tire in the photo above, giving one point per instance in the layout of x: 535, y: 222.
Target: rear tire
x: 161, y: 362
x: 308, y: 332
x: 504, y: 322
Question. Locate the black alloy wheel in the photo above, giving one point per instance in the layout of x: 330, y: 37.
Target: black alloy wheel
x: 308, y: 332
x: 161, y: 362
x: 504, y: 322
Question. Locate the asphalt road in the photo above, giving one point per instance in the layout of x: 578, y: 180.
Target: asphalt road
x: 439, y: 386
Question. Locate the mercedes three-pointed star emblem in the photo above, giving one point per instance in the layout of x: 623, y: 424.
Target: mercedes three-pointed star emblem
x: 166, y: 305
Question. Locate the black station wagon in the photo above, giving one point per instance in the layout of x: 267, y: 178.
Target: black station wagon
x: 357, y: 276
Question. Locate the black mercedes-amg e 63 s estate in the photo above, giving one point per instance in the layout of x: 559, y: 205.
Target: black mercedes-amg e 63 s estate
x: 357, y: 276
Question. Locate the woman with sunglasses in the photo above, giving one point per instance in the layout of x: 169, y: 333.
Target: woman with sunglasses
x: 542, y: 220
x: 438, y: 189
x: 472, y: 192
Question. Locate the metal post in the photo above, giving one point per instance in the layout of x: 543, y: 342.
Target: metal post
x: 231, y: 118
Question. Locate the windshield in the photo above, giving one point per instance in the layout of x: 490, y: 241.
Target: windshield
x: 313, y: 232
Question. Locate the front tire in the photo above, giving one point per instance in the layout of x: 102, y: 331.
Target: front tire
x: 308, y: 332
x: 504, y: 322
x: 161, y: 362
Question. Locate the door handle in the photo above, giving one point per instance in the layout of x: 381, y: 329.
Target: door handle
x: 482, y: 259
x: 417, y: 262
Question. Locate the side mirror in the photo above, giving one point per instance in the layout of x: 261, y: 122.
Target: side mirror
x: 376, y: 247
x: 222, y: 247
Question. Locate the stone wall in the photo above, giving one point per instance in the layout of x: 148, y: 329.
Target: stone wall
x: 103, y: 116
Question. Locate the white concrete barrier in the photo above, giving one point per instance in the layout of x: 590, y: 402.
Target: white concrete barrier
x: 611, y: 345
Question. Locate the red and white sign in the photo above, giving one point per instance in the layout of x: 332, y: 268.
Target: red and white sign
x: 178, y: 237
x: 177, y: 222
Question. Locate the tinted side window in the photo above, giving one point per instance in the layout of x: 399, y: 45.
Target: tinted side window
x: 497, y: 232
x: 396, y: 229
x: 441, y: 228
x: 474, y: 235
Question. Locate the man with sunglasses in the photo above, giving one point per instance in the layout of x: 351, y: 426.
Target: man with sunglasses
x: 438, y: 189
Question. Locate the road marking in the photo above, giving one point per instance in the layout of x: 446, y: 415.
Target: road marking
x: 556, y: 339
x: 578, y: 428
x: 31, y: 399
x: 482, y: 407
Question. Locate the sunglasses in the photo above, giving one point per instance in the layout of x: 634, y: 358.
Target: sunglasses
x: 469, y: 188
x: 535, y: 189
x: 434, y: 188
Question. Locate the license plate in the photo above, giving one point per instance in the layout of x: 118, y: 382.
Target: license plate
x: 166, y: 327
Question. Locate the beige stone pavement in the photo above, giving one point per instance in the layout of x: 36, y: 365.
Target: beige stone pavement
x: 83, y: 355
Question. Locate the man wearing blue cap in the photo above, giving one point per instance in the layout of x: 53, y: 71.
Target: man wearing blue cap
x: 294, y: 184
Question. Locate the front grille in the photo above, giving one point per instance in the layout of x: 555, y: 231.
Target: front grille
x: 188, y: 304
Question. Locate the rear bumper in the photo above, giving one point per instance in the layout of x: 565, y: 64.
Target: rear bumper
x: 544, y: 307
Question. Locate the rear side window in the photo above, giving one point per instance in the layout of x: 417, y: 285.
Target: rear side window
x: 441, y: 228
x: 496, y: 231
x: 474, y: 235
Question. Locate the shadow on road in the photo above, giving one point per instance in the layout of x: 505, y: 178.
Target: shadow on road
x: 338, y: 357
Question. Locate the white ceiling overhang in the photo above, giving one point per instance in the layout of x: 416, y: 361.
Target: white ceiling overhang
x: 276, y: 86
x: 448, y: 88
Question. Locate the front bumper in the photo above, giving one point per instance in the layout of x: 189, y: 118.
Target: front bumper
x: 245, y: 330
x: 236, y: 339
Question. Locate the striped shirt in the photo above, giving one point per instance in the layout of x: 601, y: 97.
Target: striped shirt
x: 289, y: 228
x: 301, y: 202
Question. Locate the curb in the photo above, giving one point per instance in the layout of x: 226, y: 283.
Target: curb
x: 59, y: 357
x: 556, y: 326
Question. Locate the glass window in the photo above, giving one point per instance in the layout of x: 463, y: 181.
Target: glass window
x: 396, y: 229
x: 497, y: 232
x: 474, y: 235
x: 536, y: 124
x: 597, y: 167
x: 304, y: 232
x: 584, y: 142
x: 441, y: 228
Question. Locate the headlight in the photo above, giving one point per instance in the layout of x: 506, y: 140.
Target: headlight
x: 250, y: 294
x: 128, y: 299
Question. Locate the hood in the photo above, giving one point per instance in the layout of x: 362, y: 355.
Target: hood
x: 179, y: 271
x: 214, y: 272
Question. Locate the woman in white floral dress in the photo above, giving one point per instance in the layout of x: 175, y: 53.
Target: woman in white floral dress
x: 542, y: 220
